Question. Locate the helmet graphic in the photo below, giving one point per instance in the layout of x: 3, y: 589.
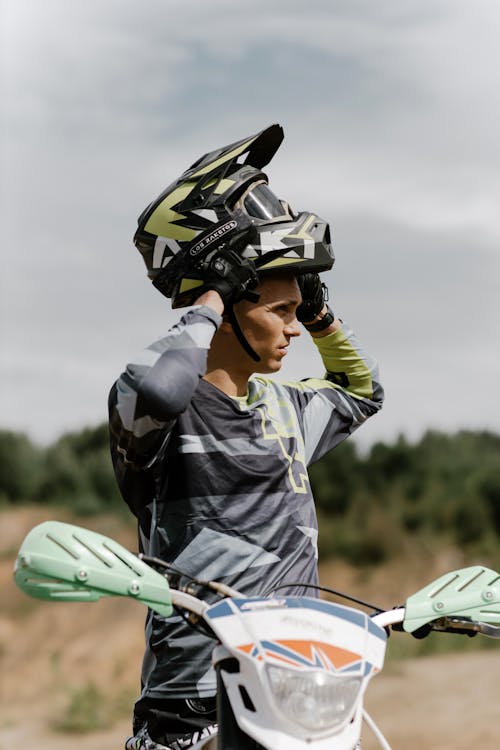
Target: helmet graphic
x: 223, y: 201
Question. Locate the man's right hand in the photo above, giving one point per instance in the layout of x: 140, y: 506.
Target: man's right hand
x: 231, y: 276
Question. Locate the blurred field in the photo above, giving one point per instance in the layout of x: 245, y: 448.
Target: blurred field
x: 76, y: 666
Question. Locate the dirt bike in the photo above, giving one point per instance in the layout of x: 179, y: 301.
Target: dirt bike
x: 291, y: 671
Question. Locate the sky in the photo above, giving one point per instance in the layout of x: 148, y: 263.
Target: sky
x: 391, y: 113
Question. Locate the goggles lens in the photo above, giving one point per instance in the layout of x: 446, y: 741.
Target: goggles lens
x: 261, y: 203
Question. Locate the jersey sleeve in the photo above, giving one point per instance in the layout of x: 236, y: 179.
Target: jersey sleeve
x: 156, y: 387
x: 332, y: 407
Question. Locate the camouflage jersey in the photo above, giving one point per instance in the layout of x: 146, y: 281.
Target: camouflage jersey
x: 219, y: 484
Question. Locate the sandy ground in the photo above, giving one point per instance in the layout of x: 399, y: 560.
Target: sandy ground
x: 444, y: 703
x: 49, y: 651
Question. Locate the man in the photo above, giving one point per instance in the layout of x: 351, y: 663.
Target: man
x: 210, y: 457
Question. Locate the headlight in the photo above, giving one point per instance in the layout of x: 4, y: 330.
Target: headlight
x: 315, y: 700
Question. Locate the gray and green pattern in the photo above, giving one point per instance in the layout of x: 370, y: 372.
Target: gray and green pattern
x: 220, y: 485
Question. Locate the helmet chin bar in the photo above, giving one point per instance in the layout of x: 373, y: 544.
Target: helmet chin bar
x: 239, y: 333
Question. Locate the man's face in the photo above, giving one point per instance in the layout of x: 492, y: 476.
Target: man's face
x: 271, y: 323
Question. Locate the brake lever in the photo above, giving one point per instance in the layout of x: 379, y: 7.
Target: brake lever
x: 466, y: 626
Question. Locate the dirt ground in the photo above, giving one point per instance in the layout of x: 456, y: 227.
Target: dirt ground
x: 49, y: 652
x: 441, y: 703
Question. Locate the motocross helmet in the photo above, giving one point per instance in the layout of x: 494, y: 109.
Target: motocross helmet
x: 224, y: 201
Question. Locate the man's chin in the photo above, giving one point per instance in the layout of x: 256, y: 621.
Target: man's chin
x: 269, y: 367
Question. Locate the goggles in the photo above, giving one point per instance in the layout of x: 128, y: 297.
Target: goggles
x: 259, y: 202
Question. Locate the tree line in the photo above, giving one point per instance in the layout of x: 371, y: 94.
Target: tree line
x: 444, y: 488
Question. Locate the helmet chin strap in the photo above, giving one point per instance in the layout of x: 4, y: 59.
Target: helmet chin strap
x: 239, y: 333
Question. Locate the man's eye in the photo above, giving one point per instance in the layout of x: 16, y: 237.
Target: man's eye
x: 284, y: 309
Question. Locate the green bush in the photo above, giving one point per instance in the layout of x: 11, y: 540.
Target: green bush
x: 74, y: 472
x: 86, y: 711
x: 20, y: 467
x: 445, y: 488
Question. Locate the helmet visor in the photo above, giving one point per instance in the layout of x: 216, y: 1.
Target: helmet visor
x: 260, y: 202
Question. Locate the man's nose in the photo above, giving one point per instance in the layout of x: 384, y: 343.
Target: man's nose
x: 293, y: 328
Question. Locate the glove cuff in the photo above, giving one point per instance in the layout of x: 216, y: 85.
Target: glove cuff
x: 322, y: 323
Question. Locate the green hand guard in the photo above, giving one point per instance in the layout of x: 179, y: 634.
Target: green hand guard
x: 62, y: 562
x: 469, y: 592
